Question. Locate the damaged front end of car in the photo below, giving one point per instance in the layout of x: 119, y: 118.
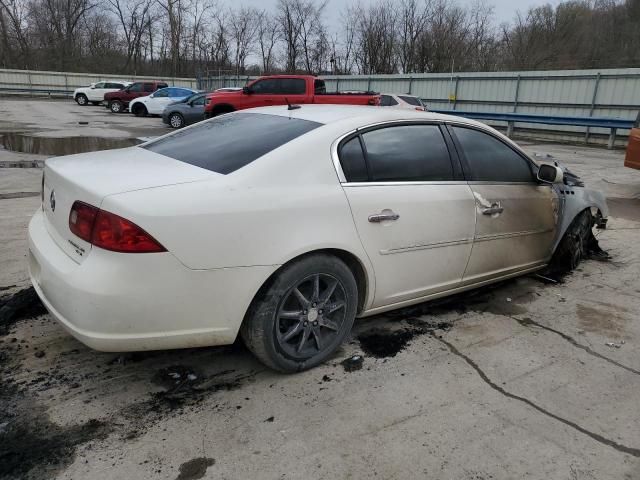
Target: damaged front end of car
x: 580, y: 209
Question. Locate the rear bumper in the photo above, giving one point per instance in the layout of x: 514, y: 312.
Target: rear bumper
x: 125, y: 302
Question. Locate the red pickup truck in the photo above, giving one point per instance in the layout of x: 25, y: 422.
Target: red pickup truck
x: 118, y: 101
x: 281, y: 90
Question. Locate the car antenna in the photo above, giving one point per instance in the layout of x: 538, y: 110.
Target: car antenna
x: 291, y: 106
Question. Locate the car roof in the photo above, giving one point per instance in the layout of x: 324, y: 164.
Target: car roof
x: 363, y: 115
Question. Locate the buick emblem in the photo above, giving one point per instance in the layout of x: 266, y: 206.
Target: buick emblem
x: 52, y: 201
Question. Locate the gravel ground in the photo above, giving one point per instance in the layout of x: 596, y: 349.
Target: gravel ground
x: 525, y: 379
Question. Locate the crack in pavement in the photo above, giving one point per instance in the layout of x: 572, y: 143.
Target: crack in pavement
x: 7, y: 196
x: 528, y: 322
x: 599, y: 438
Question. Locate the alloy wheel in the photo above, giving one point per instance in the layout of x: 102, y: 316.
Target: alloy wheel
x: 176, y: 120
x: 310, y: 316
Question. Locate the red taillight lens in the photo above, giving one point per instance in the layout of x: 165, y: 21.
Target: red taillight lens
x: 81, y: 220
x: 110, y: 231
x: 118, y: 234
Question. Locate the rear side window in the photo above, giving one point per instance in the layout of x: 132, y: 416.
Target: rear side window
x: 231, y: 141
x: 407, y: 153
x: 292, y: 86
x: 319, y: 87
x: 150, y: 87
x: 410, y: 100
x: 352, y: 161
x: 387, y: 101
x: 490, y: 160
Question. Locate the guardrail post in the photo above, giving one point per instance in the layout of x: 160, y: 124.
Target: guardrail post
x: 612, y: 139
x: 30, y: 84
x: 66, y: 85
x: 515, y: 99
x: 455, y: 92
x: 593, y: 106
x: 369, y: 84
x: 337, y: 84
x: 410, y: 84
x: 509, y: 129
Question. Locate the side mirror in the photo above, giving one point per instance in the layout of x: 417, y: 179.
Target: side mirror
x: 246, y: 90
x: 550, y: 173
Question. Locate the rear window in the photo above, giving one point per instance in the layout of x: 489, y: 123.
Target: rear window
x: 411, y: 100
x: 229, y: 142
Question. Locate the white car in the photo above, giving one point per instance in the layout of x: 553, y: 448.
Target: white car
x: 283, y: 225
x: 394, y: 100
x: 94, y: 93
x: 155, y: 103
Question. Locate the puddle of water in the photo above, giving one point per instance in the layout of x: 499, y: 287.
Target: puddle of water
x: 27, y: 143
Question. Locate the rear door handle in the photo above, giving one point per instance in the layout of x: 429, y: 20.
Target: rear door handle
x: 382, y: 216
x: 494, y: 209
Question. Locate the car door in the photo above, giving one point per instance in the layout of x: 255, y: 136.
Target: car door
x: 516, y: 215
x: 262, y: 93
x: 158, y: 100
x: 96, y: 93
x: 195, y: 112
x: 414, y: 212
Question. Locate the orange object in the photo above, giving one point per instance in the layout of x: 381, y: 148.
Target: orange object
x: 632, y: 157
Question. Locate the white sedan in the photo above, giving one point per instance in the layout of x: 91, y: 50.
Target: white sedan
x: 155, y: 103
x: 283, y: 225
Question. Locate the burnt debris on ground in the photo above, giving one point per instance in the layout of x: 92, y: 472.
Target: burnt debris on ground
x: 19, y: 306
x: 31, y: 445
x: 195, y: 469
x: 353, y: 363
x: 384, y: 343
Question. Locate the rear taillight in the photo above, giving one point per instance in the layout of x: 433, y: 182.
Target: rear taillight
x: 81, y: 220
x: 420, y: 109
x: 110, y: 231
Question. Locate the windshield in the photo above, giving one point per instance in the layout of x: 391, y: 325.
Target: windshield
x: 411, y: 100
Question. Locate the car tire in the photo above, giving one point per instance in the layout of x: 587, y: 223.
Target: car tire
x: 140, y: 110
x: 95, y: 103
x: 578, y: 242
x: 303, y: 314
x: 82, y: 100
x: 116, y: 106
x: 176, y: 120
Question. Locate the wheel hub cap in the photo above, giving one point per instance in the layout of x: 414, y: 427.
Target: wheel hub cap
x: 313, y: 315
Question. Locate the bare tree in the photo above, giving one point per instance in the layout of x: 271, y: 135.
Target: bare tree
x: 268, y: 35
x: 134, y: 17
x: 243, y: 26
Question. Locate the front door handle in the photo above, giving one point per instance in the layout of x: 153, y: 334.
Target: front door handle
x: 382, y: 216
x: 494, y: 209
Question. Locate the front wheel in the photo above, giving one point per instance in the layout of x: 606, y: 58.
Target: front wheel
x: 176, y: 120
x: 140, y: 110
x: 304, y: 315
x: 116, y: 106
x: 81, y: 99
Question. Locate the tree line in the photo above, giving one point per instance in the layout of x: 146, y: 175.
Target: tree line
x: 207, y: 37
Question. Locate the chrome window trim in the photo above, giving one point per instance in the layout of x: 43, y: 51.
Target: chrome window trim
x: 397, y: 183
x: 338, y: 166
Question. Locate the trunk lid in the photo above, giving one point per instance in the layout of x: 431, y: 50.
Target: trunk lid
x: 90, y: 177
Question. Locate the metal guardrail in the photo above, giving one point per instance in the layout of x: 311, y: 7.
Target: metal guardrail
x: 511, y: 118
x: 48, y: 91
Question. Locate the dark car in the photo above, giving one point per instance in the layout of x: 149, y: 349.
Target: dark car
x: 188, y: 111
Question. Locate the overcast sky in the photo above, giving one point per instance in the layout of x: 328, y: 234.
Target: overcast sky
x: 504, y: 10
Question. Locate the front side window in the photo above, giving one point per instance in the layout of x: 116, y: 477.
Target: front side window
x: 214, y: 144
x: 291, y: 86
x: 162, y: 93
x: 263, y: 87
x: 197, y: 100
x: 490, y: 160
x: 407, y: 153
x: 136, y: 87
x: 99, y: 85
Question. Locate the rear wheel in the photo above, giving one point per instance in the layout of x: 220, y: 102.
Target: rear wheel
x: 304, y: 314
x: 116, y: 106
x: 81, y: 99
x: 176, y: 120
x: 140, y: 110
